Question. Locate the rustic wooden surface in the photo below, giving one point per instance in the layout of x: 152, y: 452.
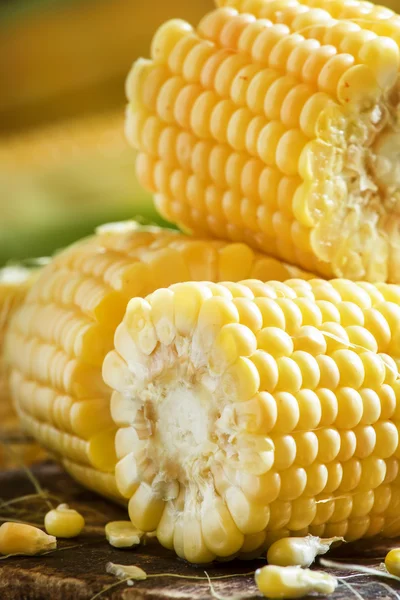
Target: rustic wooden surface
x: 78, y: 570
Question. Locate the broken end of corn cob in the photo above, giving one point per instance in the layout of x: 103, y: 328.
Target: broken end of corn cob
x: 235, y: 431
x: 277, y: 124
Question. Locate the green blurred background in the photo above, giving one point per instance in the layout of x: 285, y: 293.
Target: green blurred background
x: 65, y: 166
x: 64, y: 163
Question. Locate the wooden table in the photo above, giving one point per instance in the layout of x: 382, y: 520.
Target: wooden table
x: 78, y: 571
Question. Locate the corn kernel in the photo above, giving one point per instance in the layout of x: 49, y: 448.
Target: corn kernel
x: 64, y: 522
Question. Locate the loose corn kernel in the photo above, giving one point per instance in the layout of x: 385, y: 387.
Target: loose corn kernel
x: 64, y: 522
x: 17, y: 538
x: 298, y: 552
x: 293, y: 582
x: 122, y: 534
x: 392, y: 562
x: 124, y: 571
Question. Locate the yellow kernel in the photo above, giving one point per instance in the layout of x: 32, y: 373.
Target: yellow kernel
x: 392, y: 562
x: 64, y: 522
x: 275, y: 341
x: 122, y: 534
x: 350, y: 408
x: 18, y: 538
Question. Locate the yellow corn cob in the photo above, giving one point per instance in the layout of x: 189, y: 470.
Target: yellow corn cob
x: 275, y: 123
x: 252, y: 411
x: 14, y: 285
x: 57, y: 341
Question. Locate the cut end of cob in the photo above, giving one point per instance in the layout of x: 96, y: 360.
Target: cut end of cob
x: 277, y: 124
x: 251, y: 411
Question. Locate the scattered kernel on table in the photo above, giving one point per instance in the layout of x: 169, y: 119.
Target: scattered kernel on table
x: 293, y: 582
x: 64, y: 522
x: 298, y: 551
x: 122, y: 534
x: 392, y: 562
x: 18, y: 538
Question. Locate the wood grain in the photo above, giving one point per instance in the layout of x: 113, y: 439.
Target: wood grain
x: 78, y: 570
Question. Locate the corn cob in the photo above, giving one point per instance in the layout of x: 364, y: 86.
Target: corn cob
x: 57, y: 341
x: 275, y: 123
x: 252, y: 411
x: 14, y: 285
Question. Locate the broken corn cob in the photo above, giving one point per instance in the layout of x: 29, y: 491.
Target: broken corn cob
x: 57, y: 341
x: 251, y: 411
x: 276, y: 123
x: 14, y: 448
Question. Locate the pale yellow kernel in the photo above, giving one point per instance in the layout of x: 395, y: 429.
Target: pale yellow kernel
x: 275, y: 341
x: 335, y: 471
x: 64, y: 522
x: 250, y: 33
x: 366, y: 440
x: 373, y: 471
x: 234, y: 340
x: 200, y: 116
x: 329, y: 442
x: 249, y: 516
x: 268, y: 142
x: 348, y: 443
x: 303, y: 512
x: 276, y: 95
x: 288, y: 412
x: 167, y: 36
x: 219, y: 530
x: 329, y: 372
x: 279, y: 515
x: 214, y: 313
x: 145, y: 509
x: 241, y: 381
x: 272, y: 313
x: 331, y: 73
x: 309, y: 409
x: 309, y: 368
x: 329, y: 311
x: 267, y: 370
x: 293, y: 483
x: 371, y: 406
x: 226, y: 73
x: 18, y: 538
x: 310, y: 340
x: 387, y: 439
x: 387, y: 399
x: 184, y: 103
x: 376, y: 323
x: 266, y: 41
x: 212, y: 24
x: 306, y: 447
x: 262, y: 488
x: 285, y: 451
x: 381, y: 54
x: 195, y: 60
x: 290, y: 378
x: 288, y: 151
